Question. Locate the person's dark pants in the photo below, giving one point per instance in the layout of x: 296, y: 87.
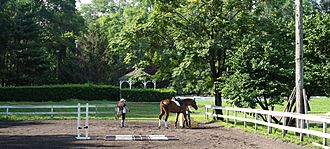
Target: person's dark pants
x: 123, y: 119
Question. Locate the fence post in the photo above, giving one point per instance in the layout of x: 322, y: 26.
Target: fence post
x: 52, y: 111
x: 235, y: 115
x: 325, y: 143
x: 284, y: 124
x: 255, y: 123
x: 269, y: 122
x: 302, y: 127
x: 206, y: 113
x: 244, y: 119
x: 7, y: 111
x: 227, y: 114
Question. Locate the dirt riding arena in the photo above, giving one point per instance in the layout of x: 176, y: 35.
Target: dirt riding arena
x: 61, y: 134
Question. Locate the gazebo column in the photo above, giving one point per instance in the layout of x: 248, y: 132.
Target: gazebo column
x: 145, y: 84
x: 120, y: 82
x: 154, y: 84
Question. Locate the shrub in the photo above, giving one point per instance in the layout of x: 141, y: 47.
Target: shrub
x: 82, y: 92
x: 59, y: 92
x: 147, y: 95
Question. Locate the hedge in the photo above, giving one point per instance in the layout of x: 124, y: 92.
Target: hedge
x: 59, y: 92
x: 82, y: 92
x: 147, y: 95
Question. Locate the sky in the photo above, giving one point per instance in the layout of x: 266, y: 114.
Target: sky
x: 78, y: 2
x: 84, y: 1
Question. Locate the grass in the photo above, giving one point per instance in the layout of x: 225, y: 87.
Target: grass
x: 276, y: 133
x: 319, y: 106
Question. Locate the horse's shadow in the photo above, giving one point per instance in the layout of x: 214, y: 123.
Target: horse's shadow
x: 207, y: 125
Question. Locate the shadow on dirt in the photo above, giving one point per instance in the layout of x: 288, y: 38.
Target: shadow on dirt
x: 207, y: 125
x: 14, y: 123
x: 49, y: 141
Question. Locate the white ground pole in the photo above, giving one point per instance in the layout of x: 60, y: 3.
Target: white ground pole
x: 79, y: 137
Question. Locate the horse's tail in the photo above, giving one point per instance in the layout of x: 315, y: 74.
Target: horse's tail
x: 166, y: 102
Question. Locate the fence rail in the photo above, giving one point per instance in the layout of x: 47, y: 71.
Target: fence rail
x: 51, y: 109
x: 303, y: 119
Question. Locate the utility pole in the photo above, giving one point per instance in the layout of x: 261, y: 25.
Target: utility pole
x: 299, y: 61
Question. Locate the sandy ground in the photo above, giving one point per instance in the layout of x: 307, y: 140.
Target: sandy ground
x: 61, y: 134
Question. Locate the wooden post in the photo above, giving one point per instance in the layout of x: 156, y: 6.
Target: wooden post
x: 244, y: 118
x: 302, y: 127
x: 269, y: 122
x: 235, y: 115
x: 284, y: 124
x: 206, y: 113
x: 299, y: 60
x: 52, y: 111
x: 306, y: 109
x: 227, y: 114
x: 256, y: 124
x: 325, y: 143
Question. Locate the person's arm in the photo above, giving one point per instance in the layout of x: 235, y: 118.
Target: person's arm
x: 127, y: 108
x: 189, y: 110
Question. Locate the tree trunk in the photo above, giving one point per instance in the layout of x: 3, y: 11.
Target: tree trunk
x: 218, y: 102
x: 215, y: 74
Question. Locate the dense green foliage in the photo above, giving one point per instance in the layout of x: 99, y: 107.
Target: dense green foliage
x: 240, y: 50
x: 147, y: 95
x: 59, y: 92
x: 82, y: 92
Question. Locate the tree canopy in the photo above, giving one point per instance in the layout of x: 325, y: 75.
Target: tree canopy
x: 239, y: 50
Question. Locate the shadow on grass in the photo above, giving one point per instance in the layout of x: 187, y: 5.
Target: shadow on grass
x: 50, y: 141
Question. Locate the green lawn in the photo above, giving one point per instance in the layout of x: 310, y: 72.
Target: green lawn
x: 319, y: 106
x: 139, y: 110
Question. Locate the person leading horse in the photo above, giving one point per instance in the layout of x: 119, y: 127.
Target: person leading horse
x: 166, y: 106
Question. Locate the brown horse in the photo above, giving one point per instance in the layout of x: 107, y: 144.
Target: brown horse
x: 167, y: 105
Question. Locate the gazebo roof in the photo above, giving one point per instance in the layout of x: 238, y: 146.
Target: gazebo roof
x: 134, y: 73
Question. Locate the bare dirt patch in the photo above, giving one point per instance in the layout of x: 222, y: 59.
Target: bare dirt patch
x: 61, y: 134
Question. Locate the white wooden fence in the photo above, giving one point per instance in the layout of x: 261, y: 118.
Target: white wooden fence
x: 51, y: 109
x: 303, y: 118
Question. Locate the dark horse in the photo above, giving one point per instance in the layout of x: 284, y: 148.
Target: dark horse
x: 167, y: 105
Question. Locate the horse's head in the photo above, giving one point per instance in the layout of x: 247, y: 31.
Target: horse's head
x: 191, y: 102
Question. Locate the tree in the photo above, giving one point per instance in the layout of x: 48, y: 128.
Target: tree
x: 204, y: 33
x: 104, y: 21
x: 316, y: 46
x: 32, y: 33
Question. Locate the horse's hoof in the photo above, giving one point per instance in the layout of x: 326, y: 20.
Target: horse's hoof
x: 166, y: 127
x: 158, y: 127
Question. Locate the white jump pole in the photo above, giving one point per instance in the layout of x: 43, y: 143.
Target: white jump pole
x: 78, y: 122
x: 86, y: 123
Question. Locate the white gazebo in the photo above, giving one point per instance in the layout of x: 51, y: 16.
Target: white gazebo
x: 128, y: 78
x: 137, y: 73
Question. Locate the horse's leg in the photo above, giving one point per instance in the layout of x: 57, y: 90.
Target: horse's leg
x: 185, y: 118
x: 166, y: 117
x: 160, y: 117
x: 176, y: 120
